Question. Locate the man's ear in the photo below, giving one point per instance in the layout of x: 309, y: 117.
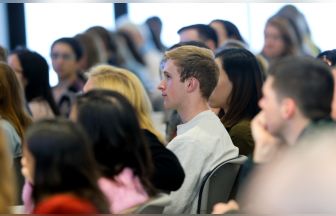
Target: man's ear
x: 191, y: 84
x: 288, y: 108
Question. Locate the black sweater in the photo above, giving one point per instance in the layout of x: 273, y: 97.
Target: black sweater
x: 168, y: 172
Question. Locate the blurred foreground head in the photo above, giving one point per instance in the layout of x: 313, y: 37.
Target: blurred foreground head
x: 302, y: 181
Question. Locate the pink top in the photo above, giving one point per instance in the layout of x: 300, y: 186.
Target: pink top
x: 124, y: 192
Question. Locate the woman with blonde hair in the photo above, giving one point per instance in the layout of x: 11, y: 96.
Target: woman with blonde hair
x: 7, y: 189
x: 168, y: 172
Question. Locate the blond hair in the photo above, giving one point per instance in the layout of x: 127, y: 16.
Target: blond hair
x: 129, y: 85
x: 7, y: 187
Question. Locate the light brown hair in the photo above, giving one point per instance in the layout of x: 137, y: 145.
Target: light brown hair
x: 196, y: 62
x: 12, y: 106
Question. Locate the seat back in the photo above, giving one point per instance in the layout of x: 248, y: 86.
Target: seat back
x: 217, y: 185
x: 154, y: 205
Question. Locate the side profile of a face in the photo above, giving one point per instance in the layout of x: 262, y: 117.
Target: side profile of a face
x: 271, y: 107
x: 171, y: 87
x: 273, y: 43
x: 221, y: 32
x: 14, y: 62
x: 221, y: 94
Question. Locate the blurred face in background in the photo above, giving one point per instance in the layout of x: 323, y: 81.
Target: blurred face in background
x: 274, y: 45
x: 14, y: 62
x: 64, y: 61
x: 221, y: 32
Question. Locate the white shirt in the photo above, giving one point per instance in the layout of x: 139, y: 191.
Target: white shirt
x: 200, y: 145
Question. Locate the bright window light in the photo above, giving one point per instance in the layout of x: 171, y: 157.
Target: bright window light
x: 250, y: 18
x: 46, y: 22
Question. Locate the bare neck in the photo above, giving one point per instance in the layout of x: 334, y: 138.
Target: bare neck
x: 189, y: 109
x: 294, y: 129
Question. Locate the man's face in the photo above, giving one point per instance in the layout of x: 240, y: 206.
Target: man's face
x: 63, y: 60
x: 189, y: 35
x: 271, y: 106
x: 172, y: 88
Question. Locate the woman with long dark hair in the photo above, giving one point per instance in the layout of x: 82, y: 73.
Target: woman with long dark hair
x: 119, y: 147
x: 237, y: 94
x: 33, y: 73
x: 59, y: 162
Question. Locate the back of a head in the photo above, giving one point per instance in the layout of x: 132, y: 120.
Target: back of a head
x: 243, y: 71
x: 302, y: 181
x: 104, y: 34
x: 231, y: 30
x: 231, y: 44
x: 205, y: 32
x: 91, y: 53
x: 123, y: 81
x: 195, y: 62
x: 62, y: 157
x: 308, y: 81
x: 190, y: 43
x: 129, y: 85
x: 118, y: 143
x: 291, y: 12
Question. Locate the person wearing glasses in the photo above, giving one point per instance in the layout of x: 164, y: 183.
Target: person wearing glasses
x: 65, y: 55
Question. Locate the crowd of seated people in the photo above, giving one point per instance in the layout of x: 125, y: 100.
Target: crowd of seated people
x: 89, y: 145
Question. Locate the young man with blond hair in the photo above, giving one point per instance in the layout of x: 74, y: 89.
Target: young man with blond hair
x: 202, y: 142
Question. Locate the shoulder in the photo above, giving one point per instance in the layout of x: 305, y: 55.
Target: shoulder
x: 241, y: 137
x: 7, y: 126
x: 242, y: 127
